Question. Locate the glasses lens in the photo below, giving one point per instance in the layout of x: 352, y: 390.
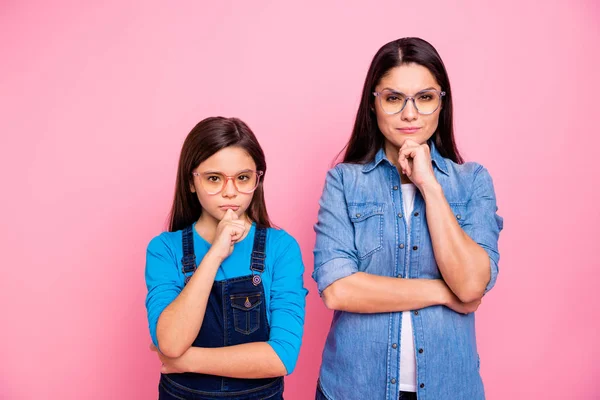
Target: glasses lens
x: 391, y: 102
x: 212, y: 183
x: 427, y: 101
x: 246, y: 182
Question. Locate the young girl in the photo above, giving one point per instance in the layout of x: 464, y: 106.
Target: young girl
x: 225, y: 296
x: 407, y: 241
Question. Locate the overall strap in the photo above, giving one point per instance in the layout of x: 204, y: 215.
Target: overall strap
x: 188, y: 260
x: 257, y: 263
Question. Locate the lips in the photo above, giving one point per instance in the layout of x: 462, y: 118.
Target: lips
x: 229, y: 207
x: 409, y: 130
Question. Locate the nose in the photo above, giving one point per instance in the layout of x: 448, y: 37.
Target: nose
x: 229, y: 190
x: 410, y: 112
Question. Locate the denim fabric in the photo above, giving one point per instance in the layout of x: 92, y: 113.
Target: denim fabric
x: 361, y: 227
x: 235, y: 314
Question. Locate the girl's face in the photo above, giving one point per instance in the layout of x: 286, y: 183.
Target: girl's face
x: 409, y: 79
x: 216, y: 192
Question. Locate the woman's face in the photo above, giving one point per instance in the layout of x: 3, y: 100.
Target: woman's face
x: 211, y: 175
x: 409, y: 79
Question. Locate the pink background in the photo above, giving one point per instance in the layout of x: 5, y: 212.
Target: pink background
x: 96, y: 99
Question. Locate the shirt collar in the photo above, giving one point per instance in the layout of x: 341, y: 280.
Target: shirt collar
x: 437, y: 159
x: 379, y: 157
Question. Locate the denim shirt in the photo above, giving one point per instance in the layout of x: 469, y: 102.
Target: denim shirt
x: 361, y: 227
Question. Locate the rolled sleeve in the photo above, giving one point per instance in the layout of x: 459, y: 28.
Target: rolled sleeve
x: 333, y: 270
x: 335, y: 251
x: 482, y: 222
x: 287, y: 303
x: 162, y: 281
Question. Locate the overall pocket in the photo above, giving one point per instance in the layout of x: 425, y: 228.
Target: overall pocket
x: 367, y: 219
x: 246, y: 312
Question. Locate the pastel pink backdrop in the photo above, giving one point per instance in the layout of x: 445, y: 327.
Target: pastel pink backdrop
x: 96, y: 99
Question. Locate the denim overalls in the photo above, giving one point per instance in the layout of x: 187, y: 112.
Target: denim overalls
x: 235, y: 314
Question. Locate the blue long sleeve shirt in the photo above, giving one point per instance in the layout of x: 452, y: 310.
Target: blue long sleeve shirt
x: 362, y: 228
x: 282, y: 281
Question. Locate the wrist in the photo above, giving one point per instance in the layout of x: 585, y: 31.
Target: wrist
x: 444, y: 297
x: 431, y: 189
x: 186, y: 364
x: 213, y: 256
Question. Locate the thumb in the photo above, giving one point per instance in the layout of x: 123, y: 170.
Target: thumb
x: 230, y: 215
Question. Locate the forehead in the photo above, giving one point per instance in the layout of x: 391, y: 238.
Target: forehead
x: 408, y: 78
x: 229, y: 160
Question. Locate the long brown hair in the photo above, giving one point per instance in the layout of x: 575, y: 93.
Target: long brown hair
x: 366, y: 137
x: 208, y: 137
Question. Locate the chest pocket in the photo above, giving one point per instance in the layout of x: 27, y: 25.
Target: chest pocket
x: 246, y: 312
x: 460, y: 212
x: 367, y: 219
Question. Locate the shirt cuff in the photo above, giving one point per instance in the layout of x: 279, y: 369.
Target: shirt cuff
x: 333, y: 270
x: 493, y: 275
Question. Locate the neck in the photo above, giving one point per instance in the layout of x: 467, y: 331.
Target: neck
x: 391, y: 152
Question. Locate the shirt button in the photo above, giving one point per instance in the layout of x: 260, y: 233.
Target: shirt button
x: 395, y: 187
x: 401, y: 245
x: 417, y: 312
x: 399, y: 215
x: 415, y: 247
x: 458, y: 216
x: 422, y: 385
x: 416, y: 214
x: 394, y: 346
x: 357, y: 215
x: 420, y: 351
x: 393, y: 381
x: 399, y: 275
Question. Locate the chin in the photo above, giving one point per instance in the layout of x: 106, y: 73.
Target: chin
x: 420, y: 139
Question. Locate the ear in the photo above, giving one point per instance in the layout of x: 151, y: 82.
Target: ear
x: 192, y: 188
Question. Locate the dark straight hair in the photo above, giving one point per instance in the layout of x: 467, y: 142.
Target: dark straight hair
x: 208, y: 137
x: 366, y: 137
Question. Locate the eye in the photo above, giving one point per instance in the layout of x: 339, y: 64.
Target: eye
x: 213, y: 178
x: 427, y: 96
x: 243, y: 177
x: 394, y: 98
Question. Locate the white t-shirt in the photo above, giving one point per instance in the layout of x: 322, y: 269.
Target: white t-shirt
x: 408, y: 362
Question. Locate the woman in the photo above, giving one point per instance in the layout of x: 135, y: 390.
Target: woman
x: 407, y: 241
x: 225, y: 290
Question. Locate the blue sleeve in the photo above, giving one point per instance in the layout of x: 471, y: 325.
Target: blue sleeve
x: 287, y: 302
x: 335, y: 251
x: 482, y: 223
x: 163, y: 280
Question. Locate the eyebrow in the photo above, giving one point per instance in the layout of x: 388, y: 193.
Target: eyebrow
x: 398, y: 91
x: 222, y: 173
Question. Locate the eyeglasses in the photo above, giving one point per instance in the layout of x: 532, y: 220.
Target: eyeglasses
x: 426, y: 101
x: 214, y: 182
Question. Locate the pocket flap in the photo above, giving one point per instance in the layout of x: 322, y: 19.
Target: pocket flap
x: 360, y: 212
x: 246, y: 302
